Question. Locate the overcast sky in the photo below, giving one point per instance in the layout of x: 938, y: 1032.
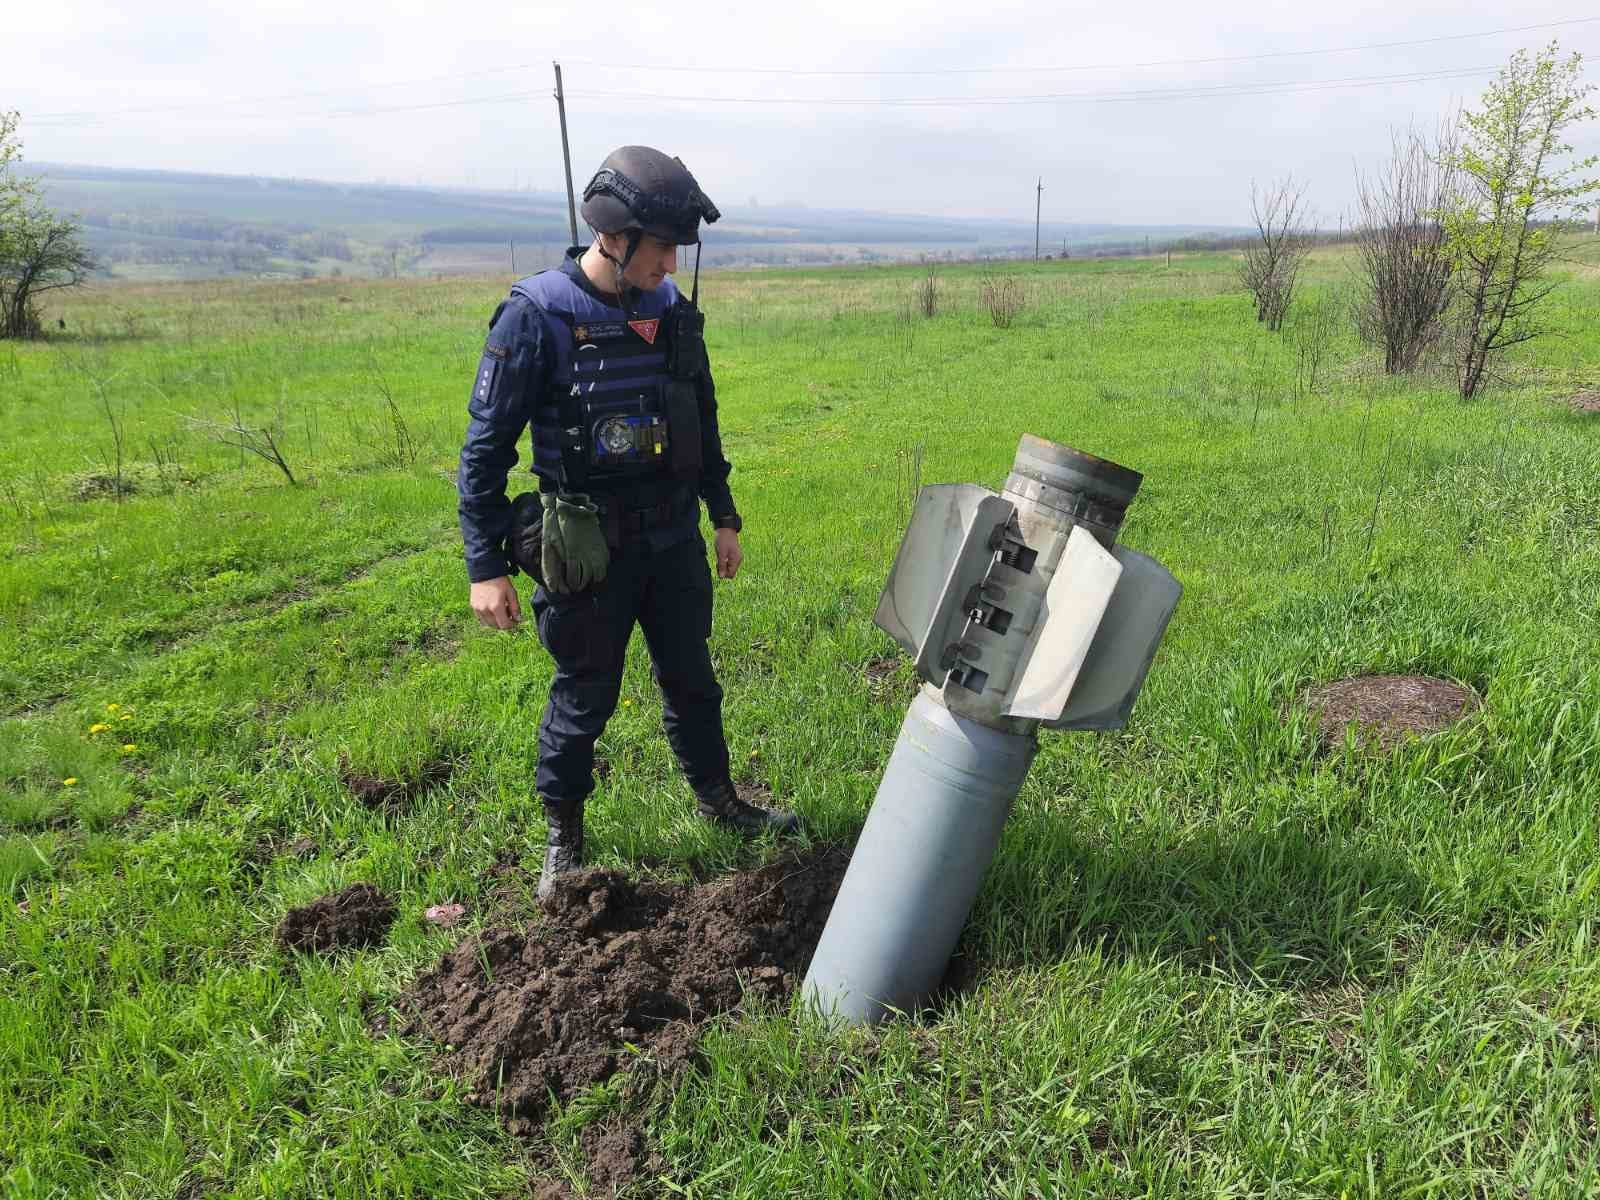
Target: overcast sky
x: 333, y: 90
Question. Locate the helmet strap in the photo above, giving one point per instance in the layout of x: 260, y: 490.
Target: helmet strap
x: 617, y: 268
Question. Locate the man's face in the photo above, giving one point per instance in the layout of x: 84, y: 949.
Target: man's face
x: 652, y: 262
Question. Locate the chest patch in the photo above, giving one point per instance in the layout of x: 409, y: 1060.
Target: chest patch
x: 646, y: 329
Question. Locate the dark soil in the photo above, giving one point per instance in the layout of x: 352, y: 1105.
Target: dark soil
x: 1388, y: 709
x: 358, y: 916
x: 619, y: 978
x: 889, y: 678
x: 392, y: 795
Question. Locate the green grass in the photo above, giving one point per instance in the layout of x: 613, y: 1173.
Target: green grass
x: 1214, y: 960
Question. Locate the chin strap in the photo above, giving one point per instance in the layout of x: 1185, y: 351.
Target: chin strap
x: 617, y: 268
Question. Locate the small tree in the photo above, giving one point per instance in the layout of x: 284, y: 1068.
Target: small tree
x: 1514, y: 192
x: 1272, y: 262
x: 39, y: 251
x: 1400, y: 246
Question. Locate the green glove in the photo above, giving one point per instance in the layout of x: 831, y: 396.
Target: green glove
x: 573, y: 555
x: 552, y: 563
x: 583, y: 542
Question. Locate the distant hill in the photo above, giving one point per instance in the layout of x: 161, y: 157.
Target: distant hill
x: 169, y: 224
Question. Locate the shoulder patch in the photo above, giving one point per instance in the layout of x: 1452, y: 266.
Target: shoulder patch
x: 496, y: 351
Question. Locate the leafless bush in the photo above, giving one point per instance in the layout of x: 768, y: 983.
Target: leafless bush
x: 1400, y: 241
x: 907, y: 481
x: 258, y: 440
x: 928, y: 292
x: 1272, y: 261
x: 1004, y: 298
x: 397, y: 446
x: 1313, y: 329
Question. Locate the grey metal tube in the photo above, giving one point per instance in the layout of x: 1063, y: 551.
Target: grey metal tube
x: 916, y: 870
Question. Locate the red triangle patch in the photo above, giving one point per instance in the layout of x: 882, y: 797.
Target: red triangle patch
x: 646, y: 329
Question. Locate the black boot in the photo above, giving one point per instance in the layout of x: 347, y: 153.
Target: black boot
x: 721, y: 804
x: 563, y: 850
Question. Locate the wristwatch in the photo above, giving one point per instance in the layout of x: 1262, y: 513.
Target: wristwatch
x: 732, y: 521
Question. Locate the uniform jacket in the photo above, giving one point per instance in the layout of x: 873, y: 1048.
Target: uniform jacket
x: 528, y: 361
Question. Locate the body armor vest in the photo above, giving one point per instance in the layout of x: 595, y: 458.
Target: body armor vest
x: 612, y: 417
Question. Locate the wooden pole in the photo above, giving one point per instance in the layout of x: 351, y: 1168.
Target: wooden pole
x: 1038, y: 205
x: 566, y: 157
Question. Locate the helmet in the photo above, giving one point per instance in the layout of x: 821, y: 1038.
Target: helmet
x: 641, y: 190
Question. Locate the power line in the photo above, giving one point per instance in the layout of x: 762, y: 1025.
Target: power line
x: 1190, y: 92
x: 1185, y: 92
x: 84, y: 117
x: 1123, y: 66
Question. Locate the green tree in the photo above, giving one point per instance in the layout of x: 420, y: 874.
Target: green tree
x: 1516, y: 184
x: 39, y: 251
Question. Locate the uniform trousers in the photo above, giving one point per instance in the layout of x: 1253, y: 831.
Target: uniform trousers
x: 667, y: 592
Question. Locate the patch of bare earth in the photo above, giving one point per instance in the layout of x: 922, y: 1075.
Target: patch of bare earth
x: 1586, y: 402
x: 1386, y: 710
x: 619, y: 978
x: 889, y: 678
x: 358, y: 916
x: 393, y: 796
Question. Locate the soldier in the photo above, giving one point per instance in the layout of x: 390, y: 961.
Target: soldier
x: 604, y: 357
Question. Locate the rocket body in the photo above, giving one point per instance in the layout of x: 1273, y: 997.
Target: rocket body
x: 1020, y: 612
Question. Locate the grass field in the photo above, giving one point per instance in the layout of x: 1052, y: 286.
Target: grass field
x: 1214, y: 960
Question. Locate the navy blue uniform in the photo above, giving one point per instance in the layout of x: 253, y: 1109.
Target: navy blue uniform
x: 558, y: 347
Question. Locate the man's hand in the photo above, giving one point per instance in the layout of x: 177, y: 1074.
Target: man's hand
x: 729, y: 555
x: 495, y: 602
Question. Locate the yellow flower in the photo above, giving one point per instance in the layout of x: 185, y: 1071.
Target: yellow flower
x: 112, y: 707
x: 99, y: 727
x: 129, y: 747
x: 70, y: 781
x: 123, y: 717
x: 627, y: 704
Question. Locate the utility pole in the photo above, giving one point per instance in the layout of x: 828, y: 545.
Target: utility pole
x: 1038, y: 205
x: 566, y: 157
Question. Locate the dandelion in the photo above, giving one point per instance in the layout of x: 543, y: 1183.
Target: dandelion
x: 123, y: 717
x: 627, y: 704
x: 70, y: 781
x: 113, y: 707
x: 1211, y: 937
x: 129, y: 747
x: 99, y: 727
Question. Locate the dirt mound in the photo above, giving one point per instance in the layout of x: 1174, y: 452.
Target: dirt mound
x: 621, y: 974
x: 1387, y: 709
x: 358, y: 916
x: 393, y: 795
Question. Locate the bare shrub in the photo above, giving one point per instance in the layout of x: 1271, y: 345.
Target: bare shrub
x: 261, y: 441
x: 1004, y: 298
x: 928, y: 292
x: 389, y: 437
x: 1400, y: 243
x: 1272, y: 261
x: 1313, y: 330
